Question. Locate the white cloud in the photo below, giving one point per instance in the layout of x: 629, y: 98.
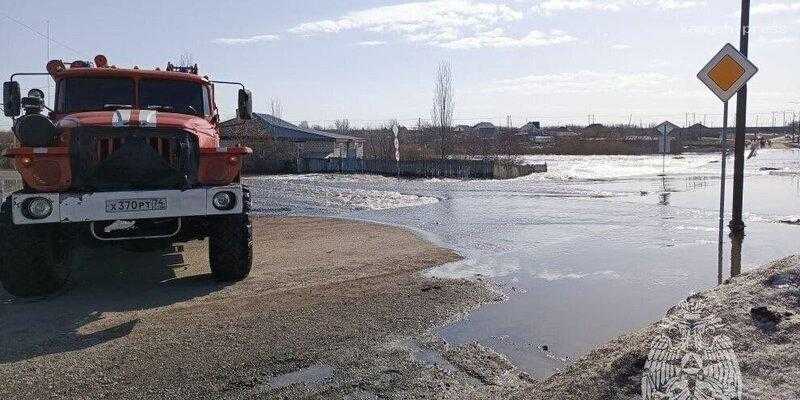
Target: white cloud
x: 774, y: 8
x: 679, y: 4
x: 620, y: 46
x: 247, y: 40
x: 583, y: 82
x: 548, y: 7
x: 371, y: 43
x: 497, y: 39
x: 455, y: 24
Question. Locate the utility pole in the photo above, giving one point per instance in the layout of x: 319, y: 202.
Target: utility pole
x: 737, y: 225
x: 47, y: 56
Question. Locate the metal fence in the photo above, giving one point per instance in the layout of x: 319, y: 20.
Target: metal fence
x: 463, y: 169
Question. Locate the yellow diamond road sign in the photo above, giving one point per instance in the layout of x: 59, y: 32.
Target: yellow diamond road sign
x: 727, y: 72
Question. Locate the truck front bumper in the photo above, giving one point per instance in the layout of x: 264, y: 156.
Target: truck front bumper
x: 109, y: 206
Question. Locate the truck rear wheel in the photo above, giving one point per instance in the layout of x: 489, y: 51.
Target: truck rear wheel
x: 230, y: 247
x: 34, y: 259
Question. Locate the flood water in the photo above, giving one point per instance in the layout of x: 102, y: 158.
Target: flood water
x: 598, y: 246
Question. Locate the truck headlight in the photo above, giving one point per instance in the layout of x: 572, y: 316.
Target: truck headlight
x: 37, y: 208
x: 224, y: 201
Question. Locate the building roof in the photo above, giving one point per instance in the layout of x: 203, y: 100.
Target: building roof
x: 286, y: 130
x: 531, y: 124
x: 697, y: 126
x: 483, y: 125
x: 280, y: 129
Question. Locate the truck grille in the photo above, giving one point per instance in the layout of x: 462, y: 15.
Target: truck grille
x: 107, y: 146
x: 134, y: 158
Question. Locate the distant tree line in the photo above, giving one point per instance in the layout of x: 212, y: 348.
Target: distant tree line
x: 5, y: 142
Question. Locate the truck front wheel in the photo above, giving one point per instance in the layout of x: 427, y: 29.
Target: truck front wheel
x: 34, y: 259
x: 230, y: 247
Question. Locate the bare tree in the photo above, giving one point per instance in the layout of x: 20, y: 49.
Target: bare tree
x: 276, y: 108
x: 186, y: 59
x: 442, y: 113
x: 342, y: 125
x: 304, y: 124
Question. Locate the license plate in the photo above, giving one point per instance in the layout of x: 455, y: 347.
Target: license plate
x: 135, y: 205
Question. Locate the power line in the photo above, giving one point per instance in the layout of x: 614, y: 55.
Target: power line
x: 40, y: 34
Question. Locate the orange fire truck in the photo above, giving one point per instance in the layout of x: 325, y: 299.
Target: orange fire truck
x: 128, y: 157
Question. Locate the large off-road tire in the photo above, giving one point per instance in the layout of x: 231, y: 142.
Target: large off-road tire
x: 230, y: 247
x: 34, y: 259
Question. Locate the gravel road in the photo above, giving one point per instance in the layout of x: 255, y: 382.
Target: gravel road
x: 332, y: 309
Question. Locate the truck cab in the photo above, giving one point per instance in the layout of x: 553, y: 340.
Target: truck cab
x: 125, y: 157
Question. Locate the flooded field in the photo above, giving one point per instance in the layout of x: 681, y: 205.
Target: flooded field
x: 597, y: 246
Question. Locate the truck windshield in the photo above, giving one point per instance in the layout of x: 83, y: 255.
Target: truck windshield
x: 97, y: 94
x: 172, y: 96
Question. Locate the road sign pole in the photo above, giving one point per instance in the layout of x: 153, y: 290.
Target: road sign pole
x: 396, y: 131
x: 724, y: 143
x: 664, y: 130
x: 737, y: 224
x: 727, y: 73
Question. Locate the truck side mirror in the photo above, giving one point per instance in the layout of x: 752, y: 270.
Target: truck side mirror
x: 11, y: 99
x: 245, y: 110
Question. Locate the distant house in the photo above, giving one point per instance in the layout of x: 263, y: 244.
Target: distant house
x: 699, y: 131
x: 485, y: 129
x: 593, y: 129
x: 531, y: 127
x: 532, y: 131
x: 696, y: 131
x: 267, y: 134
x: 461, y: 128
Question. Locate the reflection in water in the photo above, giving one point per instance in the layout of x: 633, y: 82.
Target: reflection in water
x: 665, y: 191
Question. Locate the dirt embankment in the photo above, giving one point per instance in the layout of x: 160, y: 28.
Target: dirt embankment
x: 759, y: 314
x: 333, y: 309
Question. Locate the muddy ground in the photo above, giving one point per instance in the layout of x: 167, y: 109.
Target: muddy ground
x: 338, y: 309
x: 332, y: 309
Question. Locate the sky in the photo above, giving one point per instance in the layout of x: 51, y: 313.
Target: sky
x: 554, y: 61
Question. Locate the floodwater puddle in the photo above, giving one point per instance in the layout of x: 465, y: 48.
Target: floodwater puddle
x: 314, y: 375
x: 434, y: 359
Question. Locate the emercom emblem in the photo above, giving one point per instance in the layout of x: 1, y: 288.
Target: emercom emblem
x: 692, y: 358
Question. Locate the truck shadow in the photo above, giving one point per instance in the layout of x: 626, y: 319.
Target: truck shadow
x: 109, y: 290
